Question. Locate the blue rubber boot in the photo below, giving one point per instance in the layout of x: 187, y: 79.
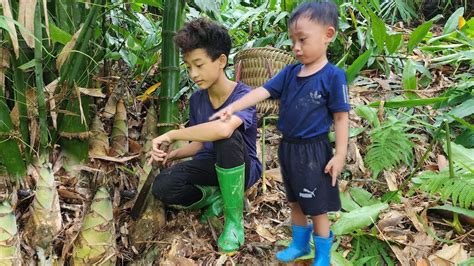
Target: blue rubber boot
x: 299, y: 245
x: 322, y: 256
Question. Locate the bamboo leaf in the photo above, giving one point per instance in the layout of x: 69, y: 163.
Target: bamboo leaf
x: 358, y: 219
x: 409, y: 77
x: 418, y: 34
x: 58, y: 35
x: 66, y: 51
x: 453, y: 21
x: 378, y: 32
x: 393, y: 42
x: 28, y: 65
x: 409, y: 103
x: 26, y: 17
x: 10, y: 26
x: 357, y: 65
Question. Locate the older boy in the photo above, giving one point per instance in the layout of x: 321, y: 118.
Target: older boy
x: 224, y: 153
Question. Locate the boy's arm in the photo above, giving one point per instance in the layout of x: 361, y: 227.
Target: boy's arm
x: 250, y: 99
x: 341, y: 127
x: 187, y: 150
x: 210, y: 131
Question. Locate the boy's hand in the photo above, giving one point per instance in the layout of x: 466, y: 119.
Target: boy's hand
x: 156, y: 154
x: 334, y: 167
x: 224, y: 114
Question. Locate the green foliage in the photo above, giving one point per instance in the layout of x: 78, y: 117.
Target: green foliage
x: 358, y: 64
x: 368, y: 250
x: 390, y: 145
x: 370, y: 114
x: 418, y: 34
x: 404, y: 9
x: 466, y: 212
x: 460, y: 189
x: 452, y: 22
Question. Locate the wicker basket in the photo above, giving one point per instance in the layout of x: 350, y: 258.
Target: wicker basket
x: 254, y: 66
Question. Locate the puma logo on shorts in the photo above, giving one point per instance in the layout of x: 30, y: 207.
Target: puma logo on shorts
x: 307, y: 194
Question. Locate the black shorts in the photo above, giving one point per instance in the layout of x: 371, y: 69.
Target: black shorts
x: 302, y: 163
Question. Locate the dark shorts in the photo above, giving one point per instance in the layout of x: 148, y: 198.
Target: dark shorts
x: 302, y: 163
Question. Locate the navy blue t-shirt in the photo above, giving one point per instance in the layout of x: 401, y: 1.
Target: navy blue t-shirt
x: 200, y: 111
x: 307, y: 103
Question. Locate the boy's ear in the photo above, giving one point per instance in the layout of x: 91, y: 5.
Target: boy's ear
x: 330, y: 32
x: 222, y: 60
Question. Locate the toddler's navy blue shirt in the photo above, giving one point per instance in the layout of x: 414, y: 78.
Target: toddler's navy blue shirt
x: 307, y: 103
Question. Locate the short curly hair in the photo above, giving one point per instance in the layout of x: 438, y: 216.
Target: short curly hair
x: 205, y: 34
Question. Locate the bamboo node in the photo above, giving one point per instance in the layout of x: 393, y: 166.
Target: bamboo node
x: 176, y: 125
x: 76, y: 135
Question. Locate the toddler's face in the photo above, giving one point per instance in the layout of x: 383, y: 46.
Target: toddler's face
x: 310, y: 39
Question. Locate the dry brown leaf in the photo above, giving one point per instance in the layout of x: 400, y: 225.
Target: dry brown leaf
x: 114, y: 159
x: 274, y: 174
x: 26, y: 17
x: 66, y: 51
x: 391, y: 218
x: 449, y: 255
x: 263, y: 232
x: 442, y: 162
x: 94, y: 92
x: 420, y: 248
x: 222, y: 259
x: 50, y: 88
x: 412, y: 215
x: 11, y: 26
x: 4, y: 64
x: 391, y: 179
x: 422, y: 262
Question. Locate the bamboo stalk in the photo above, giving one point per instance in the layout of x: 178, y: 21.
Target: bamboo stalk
x: 19, y: 90
x: 99, y: 144
x: 96, y: 242
x: 9, y: 237
x: 46, y: 222
x: 43, y: 126
x: 9, y: 151
x: 149, y: 130
x: 120, y: 131
x: 73, y: 127
x: 172, y: 21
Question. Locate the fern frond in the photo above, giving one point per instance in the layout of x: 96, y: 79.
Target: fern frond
x: 390, y: 145
x: 460, y: 189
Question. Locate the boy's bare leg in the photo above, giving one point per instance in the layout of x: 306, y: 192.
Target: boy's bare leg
x: 297, y: 215
x: 321, y: 225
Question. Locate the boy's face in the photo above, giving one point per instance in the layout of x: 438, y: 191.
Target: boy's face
x: 310, y: 39
x: 202, y: 70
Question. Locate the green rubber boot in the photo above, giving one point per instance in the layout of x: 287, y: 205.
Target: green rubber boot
x: 211, y: 202
x: 231, y: 182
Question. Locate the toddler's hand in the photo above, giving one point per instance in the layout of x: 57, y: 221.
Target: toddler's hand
x: 223, y: 114
x: 334, y: 167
